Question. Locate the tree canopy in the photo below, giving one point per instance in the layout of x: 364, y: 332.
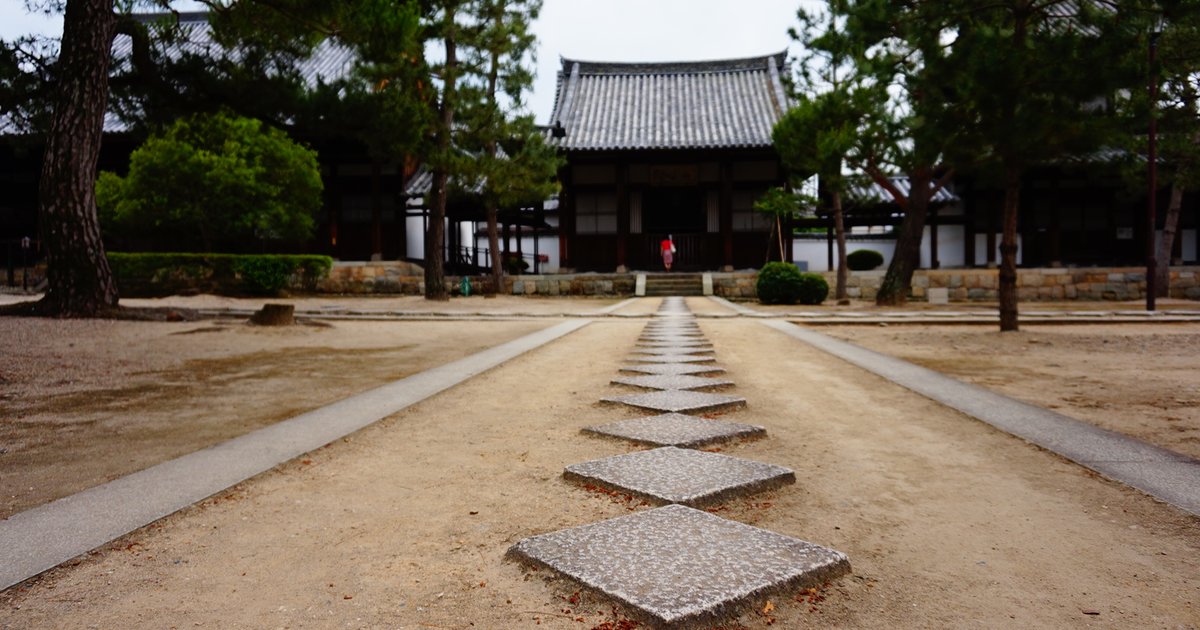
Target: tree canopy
x: 214, y: 182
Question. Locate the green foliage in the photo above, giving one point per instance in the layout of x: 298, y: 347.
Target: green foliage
x: 864, y: 259
x: 783, y: 283
x: 813, y: 288
x: 515, y: 265
x: 781, y: 203
x: 214, y: 182
x: 266, y: 274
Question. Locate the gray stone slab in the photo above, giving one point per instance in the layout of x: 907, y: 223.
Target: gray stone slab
x: 674, y: 350
x: 1167, y: 475
x: 680, y: 401
x: 672, y: 381
x: 676, y: 429
x: 672, y: 336
x: 679, y: 566
x: 674, y: 368
x: 673, y: 358
x: 41, y: 538
x: 676, y: 343
x: 681, y: 475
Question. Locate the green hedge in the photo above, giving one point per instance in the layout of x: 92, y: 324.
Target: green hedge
x: 258, y: 274
x: 783, y: 283
x: 863, y: 259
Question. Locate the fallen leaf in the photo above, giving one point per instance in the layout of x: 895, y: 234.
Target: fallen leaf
x: 768, y: 608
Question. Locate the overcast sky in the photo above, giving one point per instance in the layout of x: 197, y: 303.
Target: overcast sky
x: 599, y: 30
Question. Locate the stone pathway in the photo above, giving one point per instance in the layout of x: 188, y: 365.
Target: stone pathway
x: 676, y: 565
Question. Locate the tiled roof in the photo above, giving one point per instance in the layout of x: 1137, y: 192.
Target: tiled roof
x: 867, y: 191
x: 705, y: 104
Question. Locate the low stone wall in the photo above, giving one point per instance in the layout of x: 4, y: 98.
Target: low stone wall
x: 387, y: 277
x: 1033, y: 285
x: 963, y: 285
x: 403, y: 278
x: 572, y: 284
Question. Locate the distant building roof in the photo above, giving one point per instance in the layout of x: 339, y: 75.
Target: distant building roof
x: 328, y: 62
x: 866, y: 191
x: 680, y: 105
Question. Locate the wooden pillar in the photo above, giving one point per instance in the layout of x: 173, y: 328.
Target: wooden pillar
x: 726, y: 214
x: 968, y: 233
x: 934, y: 263
x: 566, y: 218
x: 376, y: 211
x: 990, y: 259
x: 622, y: 217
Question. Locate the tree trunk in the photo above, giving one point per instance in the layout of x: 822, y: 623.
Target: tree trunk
x: 1162, y: 267
x: 493, y: 211
x: 80, y: 282
x: 435, y: 235
x: 493, y: 232
x: 839, y: 229
x: 1008, y: 250
x: 897, y: 282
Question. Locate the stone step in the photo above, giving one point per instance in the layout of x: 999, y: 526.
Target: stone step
x: 680, y: 475
x: 674, y: 284
x: 676, y: 429
x: 680, y: 566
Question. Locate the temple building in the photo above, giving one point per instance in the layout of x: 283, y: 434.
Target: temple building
x: 658, y: 149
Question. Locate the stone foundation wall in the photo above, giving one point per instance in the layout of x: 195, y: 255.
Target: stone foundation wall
x: 1033, y: 285
x: 1125, y: 283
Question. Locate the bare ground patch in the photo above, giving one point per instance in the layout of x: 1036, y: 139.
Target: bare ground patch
x: 84, y: 402
x: 1136, y: 379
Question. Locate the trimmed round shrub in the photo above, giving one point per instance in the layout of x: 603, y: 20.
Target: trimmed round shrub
x: 863, y: 259
x: 813, y: 288
x: 783, y: 283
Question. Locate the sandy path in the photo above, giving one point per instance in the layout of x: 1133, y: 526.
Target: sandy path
x: 83, y: 402
x: 946, y: 521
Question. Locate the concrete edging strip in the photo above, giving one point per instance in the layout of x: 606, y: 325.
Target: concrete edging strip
x: 41, y: 538
x: 1161, y: 473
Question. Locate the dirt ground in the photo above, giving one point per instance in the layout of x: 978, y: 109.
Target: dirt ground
x: 947, y: 522
x: 84, y: 402
x: 1137, y: 380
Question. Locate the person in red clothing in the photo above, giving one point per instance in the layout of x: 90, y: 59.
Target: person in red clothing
x: 668, y: 251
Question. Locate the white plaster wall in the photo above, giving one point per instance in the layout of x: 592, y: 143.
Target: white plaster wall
x: 950, y: 247
x: 816, y: 253
x: 981, y: 249
x: 1189, y: 245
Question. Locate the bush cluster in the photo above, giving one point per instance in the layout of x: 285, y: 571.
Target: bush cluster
x: 863, y: 259
x: 151, y: 274
x: 783, y: 283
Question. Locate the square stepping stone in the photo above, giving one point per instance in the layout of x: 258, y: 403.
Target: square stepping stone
x: 673, y: 368
x: 676, y: 343
x: 671, y: 381
x: 676, y: 429
x: 677, y: 565
x: 679, y: 401
x: 672, y: 338
x: 681, y: 475
x: 673, y: 358
x: 674, y: 350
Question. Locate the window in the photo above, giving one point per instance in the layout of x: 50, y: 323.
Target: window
x: 596, y: 213
x: 745, y: 217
